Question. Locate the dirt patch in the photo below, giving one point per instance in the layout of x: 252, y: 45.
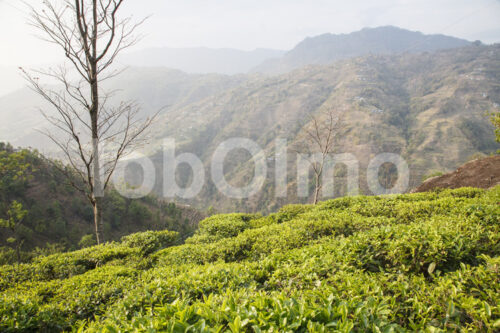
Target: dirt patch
x: 481, y: 173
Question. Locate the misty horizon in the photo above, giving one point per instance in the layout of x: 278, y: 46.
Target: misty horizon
x: 251, y: 26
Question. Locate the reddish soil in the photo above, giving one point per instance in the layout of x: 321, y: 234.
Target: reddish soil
x: 481, y: 173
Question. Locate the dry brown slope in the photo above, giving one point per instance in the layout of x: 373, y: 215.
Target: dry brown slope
x: 482, y: 173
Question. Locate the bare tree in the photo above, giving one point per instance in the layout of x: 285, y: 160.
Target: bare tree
x: 91, y: 35
x: 320, y: 136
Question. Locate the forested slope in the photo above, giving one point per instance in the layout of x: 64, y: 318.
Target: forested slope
x: 55, y: 216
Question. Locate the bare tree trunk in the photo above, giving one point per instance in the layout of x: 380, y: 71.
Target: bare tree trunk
x: 97, y: 187
x: 316, y: 189
x: 94, y: 120
x: 315, y: 200
x: 98, y: 222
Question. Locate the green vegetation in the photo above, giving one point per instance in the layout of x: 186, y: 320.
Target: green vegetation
x: 431, y: 175
x: 15, y: 170
x: 415, y: 262
x: 495, y: 119
x: 41, y: 213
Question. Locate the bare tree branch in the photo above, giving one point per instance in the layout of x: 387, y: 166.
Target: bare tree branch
x: 91, y: 34
x: 320, y: 135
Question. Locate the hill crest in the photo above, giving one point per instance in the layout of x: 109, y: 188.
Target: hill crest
x: 327, y: 48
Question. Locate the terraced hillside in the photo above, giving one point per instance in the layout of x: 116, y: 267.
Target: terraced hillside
x: 415, y: 262
x: 429, y: 108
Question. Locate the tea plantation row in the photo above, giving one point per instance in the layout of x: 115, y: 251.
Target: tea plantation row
x: 415, y: 262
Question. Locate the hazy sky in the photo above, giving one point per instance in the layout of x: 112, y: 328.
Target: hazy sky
x: 250, y: 24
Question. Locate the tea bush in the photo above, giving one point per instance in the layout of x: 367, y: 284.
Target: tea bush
x: 151, y: 241
x: 426, y: 262
x: 218, y: 227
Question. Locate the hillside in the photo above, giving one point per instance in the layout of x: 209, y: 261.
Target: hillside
x: 58, y: 216
x: 429, y: 108
x: 480, y: 173
x: 415, y: 262
x: 154, y: 88
x: 327, y: 48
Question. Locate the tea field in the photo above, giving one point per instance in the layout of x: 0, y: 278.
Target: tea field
x: 400, y: 263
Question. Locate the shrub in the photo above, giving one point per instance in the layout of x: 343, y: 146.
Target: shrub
x: 87, y: 241
x: 218, y: 227
x: 289, y: 212
x: 151, y: 241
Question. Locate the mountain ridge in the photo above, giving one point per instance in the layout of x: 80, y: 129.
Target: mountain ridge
x: 328, y: 47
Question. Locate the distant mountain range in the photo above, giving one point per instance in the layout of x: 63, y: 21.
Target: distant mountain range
x: 323, y: 49
x: 326, y: 48
x: 201, y: 60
